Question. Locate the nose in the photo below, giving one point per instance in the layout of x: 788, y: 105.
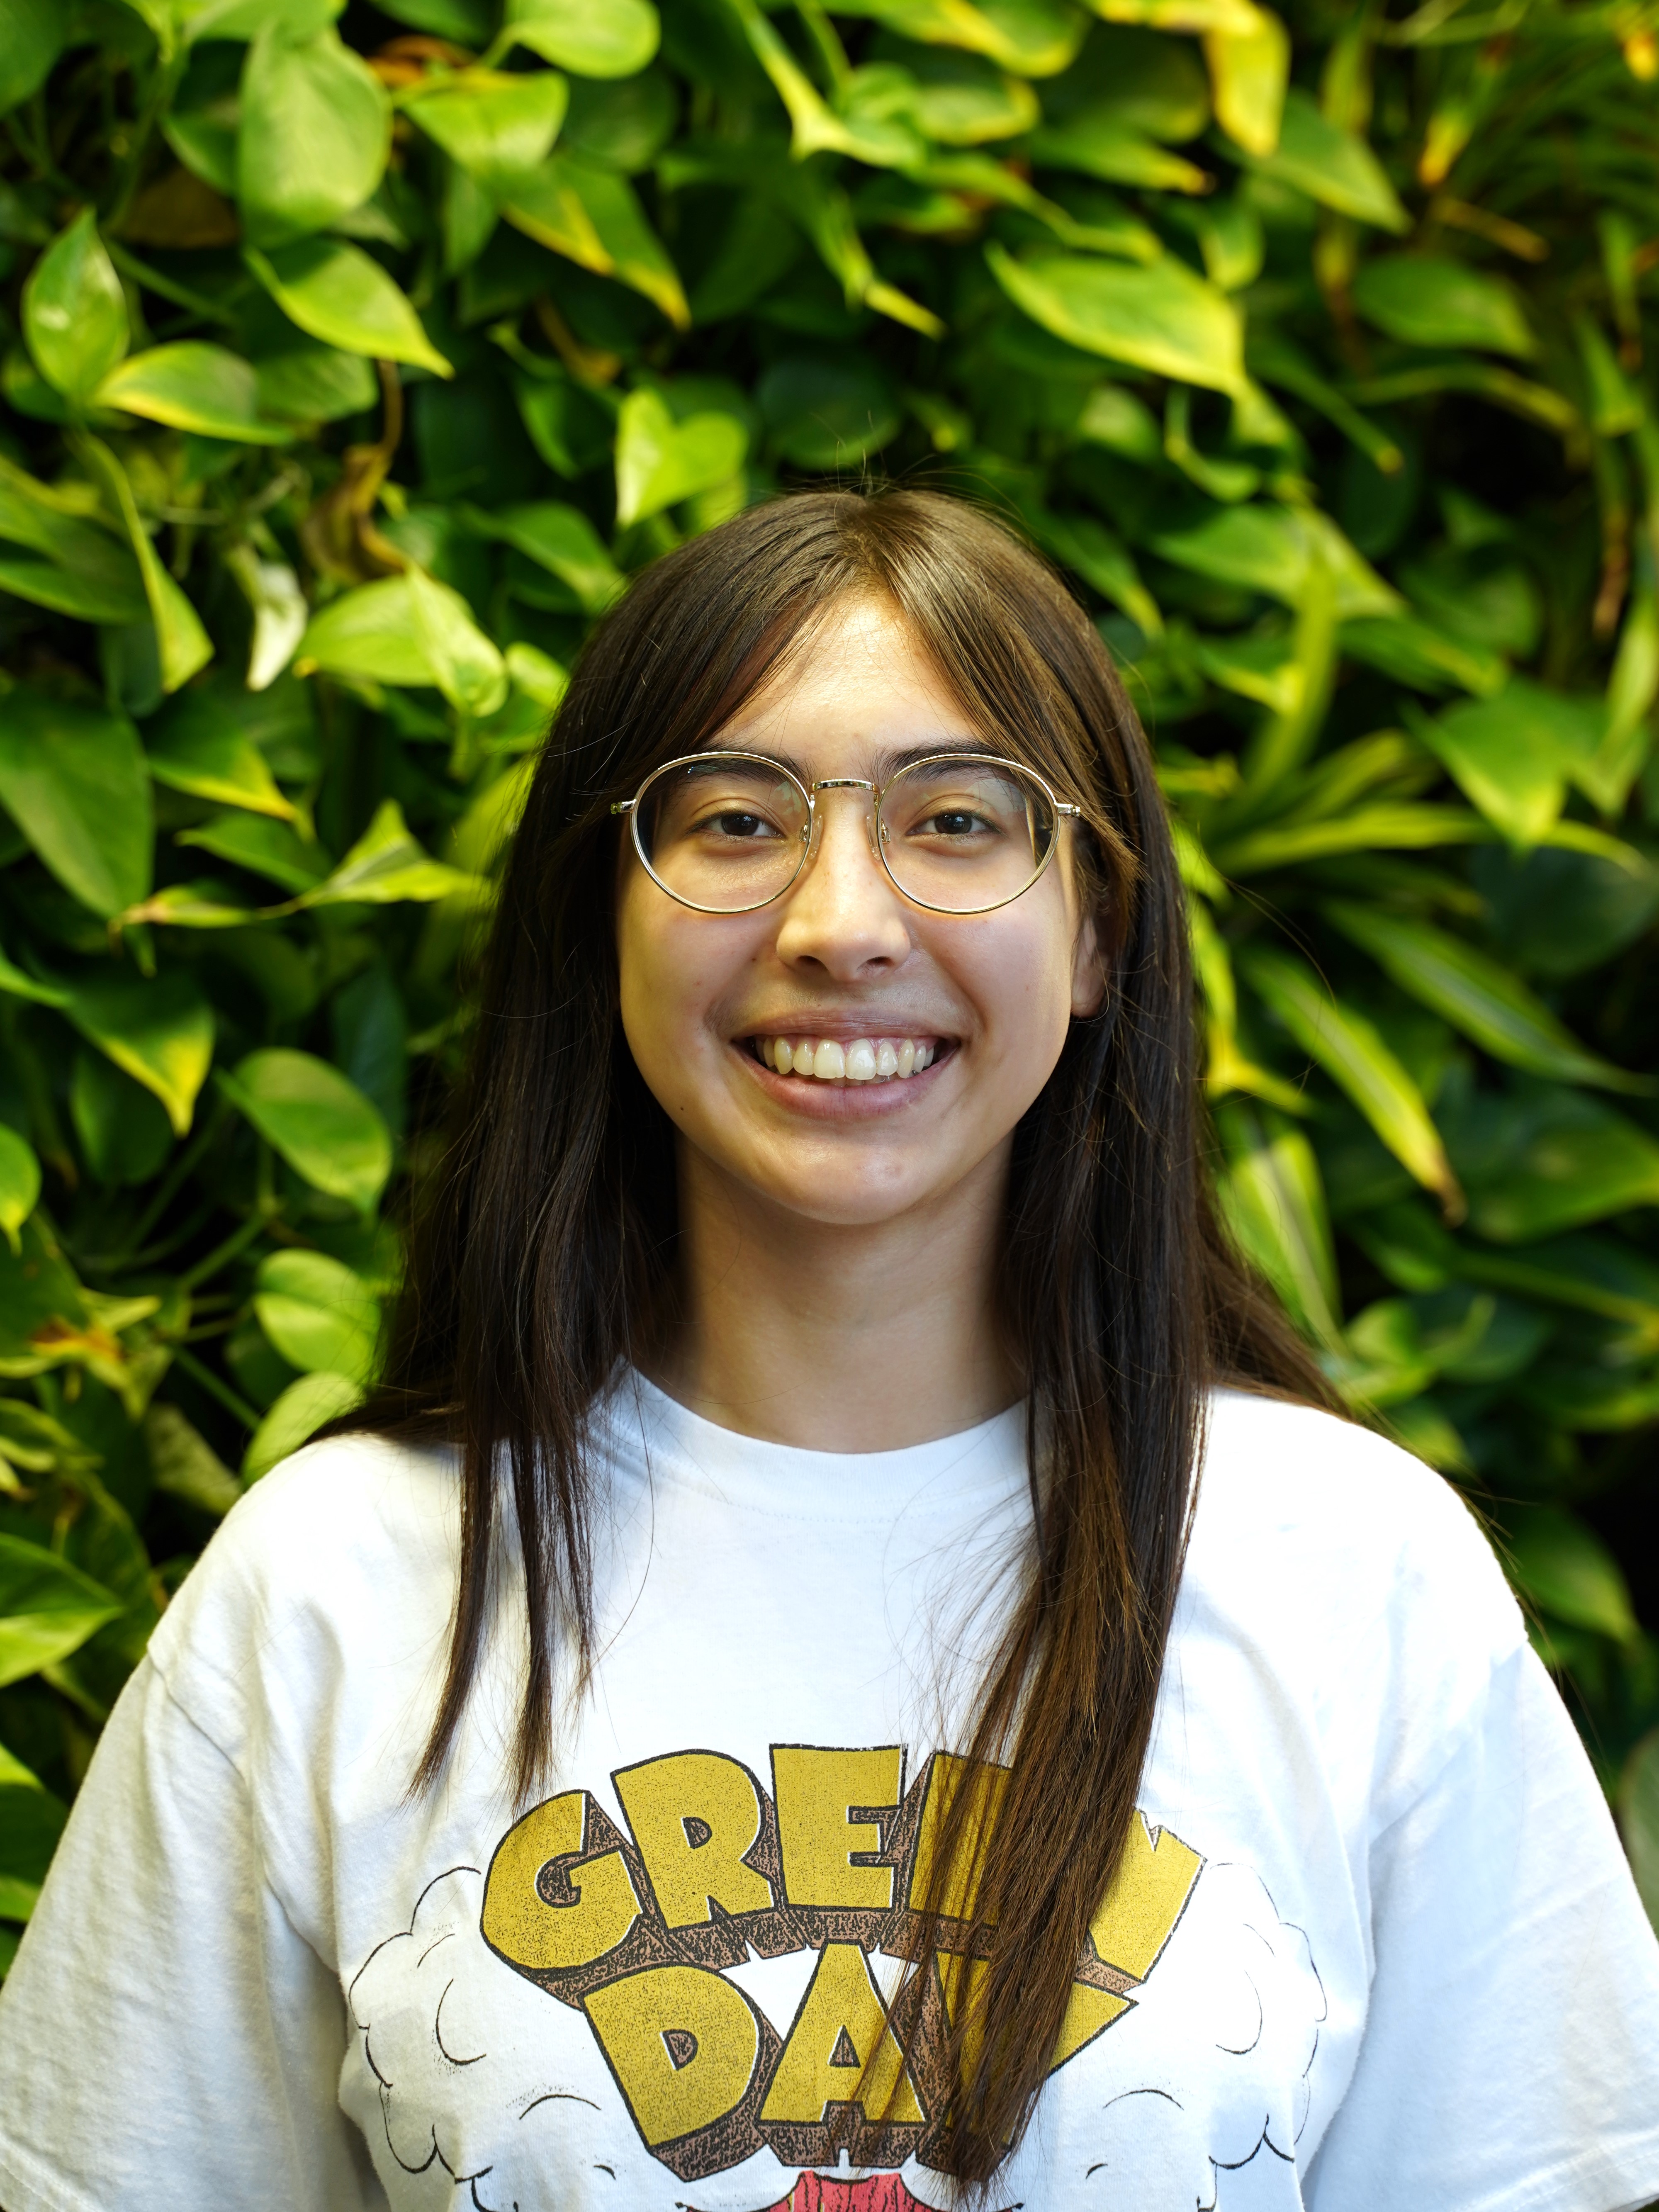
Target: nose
x: 843, y: 916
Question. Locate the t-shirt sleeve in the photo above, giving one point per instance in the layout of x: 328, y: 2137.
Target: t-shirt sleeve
x: 166, y: 2038
x: 1510, y: 2055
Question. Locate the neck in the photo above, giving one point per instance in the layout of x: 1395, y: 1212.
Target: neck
x: 837, y: 1337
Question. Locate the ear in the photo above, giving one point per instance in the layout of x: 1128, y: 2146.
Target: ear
x: 1088, y: 971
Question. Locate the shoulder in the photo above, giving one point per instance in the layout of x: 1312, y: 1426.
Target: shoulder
x: 349, y: 1547
x: 1353, y: 1574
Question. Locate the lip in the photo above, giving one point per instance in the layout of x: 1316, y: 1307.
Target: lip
x: 842, y: 1102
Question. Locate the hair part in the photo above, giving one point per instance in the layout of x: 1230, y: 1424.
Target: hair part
x: 544, y: 1244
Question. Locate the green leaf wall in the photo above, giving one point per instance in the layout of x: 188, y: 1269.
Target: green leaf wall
x: 350, y: 362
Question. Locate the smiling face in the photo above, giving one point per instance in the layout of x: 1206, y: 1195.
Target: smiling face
x: 928, y: 1035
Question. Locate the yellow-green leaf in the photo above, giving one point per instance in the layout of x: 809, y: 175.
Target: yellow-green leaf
x: 47, y: 1608
x: 559, y: 540
x: 1032, y: 38
x: 195, y: 750
x: 1513, y: 753
x: 660, y: 461
x: 1426, y: 300
x: 594, y: 219
x: 495, y: 125
x: 183, y: 644
x: 1274, y: 550
x: 591, y: 37
x: 1331, y: 166
x: 318, y: 1313
x: 341, y: 295
x: 303, y: 1409
x: 1567, y: 1570
x: 159, y: 1030
x: 1250, y: 71
x: 1353, y: 1053
x: 1274, y: 1202
x: 315, y: 131
x: 467, y: 666
x: 385, y: 867
x: 20, y: 1184
x: 1165, y: 319
x: 194, y: 386
x: 75, y: 313
x: 1477, y: 995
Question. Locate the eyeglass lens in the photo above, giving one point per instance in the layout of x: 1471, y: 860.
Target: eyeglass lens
x: 727, y: 834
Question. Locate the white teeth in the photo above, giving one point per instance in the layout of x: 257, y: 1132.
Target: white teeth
x: 859, y: 1060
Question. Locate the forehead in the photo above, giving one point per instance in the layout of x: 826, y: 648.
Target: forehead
x: 856, y: 685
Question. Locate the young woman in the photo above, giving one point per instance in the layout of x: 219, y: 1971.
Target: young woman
x: 849, y: 1665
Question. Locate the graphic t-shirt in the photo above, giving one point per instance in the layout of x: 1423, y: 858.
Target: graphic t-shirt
x: 1372, y: 1948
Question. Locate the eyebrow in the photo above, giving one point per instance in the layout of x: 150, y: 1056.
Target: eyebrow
x: 888, y: 764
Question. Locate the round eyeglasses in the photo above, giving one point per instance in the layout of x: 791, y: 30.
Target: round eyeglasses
x: 957, y: 833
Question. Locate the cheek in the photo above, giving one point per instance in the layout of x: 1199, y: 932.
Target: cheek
x: 673, y: 970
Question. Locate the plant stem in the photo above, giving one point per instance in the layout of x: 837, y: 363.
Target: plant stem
x: 247, y: 1414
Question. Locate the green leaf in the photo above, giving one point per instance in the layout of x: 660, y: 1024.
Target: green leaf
x: 314, y: 384
x: 193, y: 387
x: 1353, y: 1053
x: 1404, y: 826
x: 1422, y: 299
x: 20, y: 1184
x: 1032, y: 38
x: 1093, y: 552
x: 1165, y: 319
x: 86, y: 559
x: 1590, y: 1274
x: 186, y: 1464
x: 318, y: 1313
x: 303, y: 1409
x: 1273, y: 1203
x: 1330, y: 165
x: 1568, y: 1571
x: 661, y: 462
x: 47, y: 1608
x: 316, y: 129
x: 1548, y: 1160
x: 1477, y: 995
x: 1639, y: 1818
x: 159, y: 1031
x: 124, y: 1131
x: 246, y: 19
x: 75, y: 313
x: 591, y: 37
x: 826, y: 413
x: 385, y: 867
x: 36, y: 31
x: 329, y: 1134
x: 73, y: 779
x: 267, y: 848
x: 182, y: 644
x: 465, y: 666
x: 1249, y: 69
x: 1274, y: 550
x: 335, y: 293
x: 1417, y: 654
x: 594, y: 219
x: 193, y: 748
x: 496, y: 126
x: 962, y: 99
x: 31, y: 1821
x: 83, y: 598
x: 559, y: 540
x: 1513, y: 754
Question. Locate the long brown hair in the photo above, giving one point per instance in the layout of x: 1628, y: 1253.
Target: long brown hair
x: 544, y: 1247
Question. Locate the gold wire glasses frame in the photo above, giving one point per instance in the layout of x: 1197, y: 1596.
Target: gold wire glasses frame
x: 956, y: 833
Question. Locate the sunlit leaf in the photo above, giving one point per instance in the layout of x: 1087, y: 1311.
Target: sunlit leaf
x: 47, y: 1608
x: 193, y: 387
x: 337, y: 293
x: 315, y: 131
x: 303, y: 1409
x: 1477, y: 995
x: 314, y: 384
x: 594, y: 218
x: 467, y: 668
x: 1331, y: 166
x: 562, y: 540
x: 1424, y: 300
x: 660, y: 461
x: 182, y: 643
x: 187, y: 1466
x: 20, y: 1184
x: 321, y: 1124
x: 159, y: 1031
x: 1273, y: 1203
x: 1273, y: 550
x: 31, y: 1821
x: 383, y: 867
x: 75, y: 313
x: 594, y: 38
x: 73, y: 779
x: 318, y: 1313
x: 1353, y: 1053
x: 1513, y: 754
x: 193, y: 748
x: 268, y: 848
x: 1250, y: 70
x: 495, y: 125
x: 1165, y: 319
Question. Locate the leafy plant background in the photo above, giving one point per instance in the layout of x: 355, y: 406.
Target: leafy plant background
x: 352, y: 360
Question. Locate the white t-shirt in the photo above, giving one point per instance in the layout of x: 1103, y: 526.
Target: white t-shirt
x: 1375, y: 1948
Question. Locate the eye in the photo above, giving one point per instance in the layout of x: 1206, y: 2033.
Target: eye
x: 741, y: 826
x: 950, y: 821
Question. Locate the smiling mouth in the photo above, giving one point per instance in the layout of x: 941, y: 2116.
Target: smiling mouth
x: 849, y: 1060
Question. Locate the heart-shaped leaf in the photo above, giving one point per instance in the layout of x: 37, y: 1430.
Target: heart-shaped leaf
x: 159, y: 1030
x: 297, y: 1415
x: 385, y: 867
x: 321, y: 1124
x: 465, y: 666
x: 594, y: 218
x: 75, y: 313
x: 340, y: 295
x: 592, y: 37
x: 1331, y: 166
x: 661, y: 462
x: 1165, y: 318
x: 316, y: 129
x: 318, y: 1313
x: 47, y: 1608
x: 496, y: 126
x: 559, y: 540
x: 74, y: 781
x: 194, y: 386
x: 1426, y: 300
